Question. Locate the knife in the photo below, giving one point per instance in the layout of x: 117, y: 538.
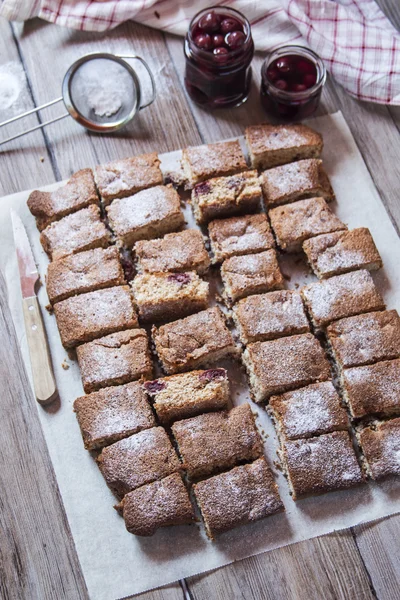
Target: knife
x: 43, y: 378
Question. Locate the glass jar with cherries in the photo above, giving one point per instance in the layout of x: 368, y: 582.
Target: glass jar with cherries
x: 218, y: 49
x: 292, y: 79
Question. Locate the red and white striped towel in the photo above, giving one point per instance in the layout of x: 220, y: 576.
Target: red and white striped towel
x: 358, y: 44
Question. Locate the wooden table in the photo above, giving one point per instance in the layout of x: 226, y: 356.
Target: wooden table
x: 37, y: 555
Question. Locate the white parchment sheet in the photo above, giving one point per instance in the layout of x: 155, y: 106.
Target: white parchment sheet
x: 115, y: 563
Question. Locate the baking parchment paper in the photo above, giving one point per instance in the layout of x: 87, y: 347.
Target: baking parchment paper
x: 117, y: 564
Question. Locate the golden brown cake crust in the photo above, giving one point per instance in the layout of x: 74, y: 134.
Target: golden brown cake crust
x: 321, y: 464
x: 296, y: 222
x: 250, y: 274
x: 137, y: 460
x: 212, y: 160
x: 273, y: 145
x: 188, y: 394
x: 88, y: 316
x: 83, y: 272
x: 341, y: 296
x: 239, y: 235
x: 284, y: 364
x: 242, y: 495
x: 112, y: 414
x: 217, y: 441
x: 115, y: 359
x: 373, y: 389
x: 145, y: 215
x: 296, y: 181
x: 269, y: 316
x: 178, y: 252
x: 342, y: 251
x: 169, y: 296
x: 79, y: 192
x: 79, y: 231
x: 308, y: 411
x: 128, y: 176
x: 380, y: 444
x: 157, y: 504
x: 194, y: 341
x: 226, y: 196
x: 365, y: 339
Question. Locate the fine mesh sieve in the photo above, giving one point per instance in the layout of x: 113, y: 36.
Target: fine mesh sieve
x: 101, y: 91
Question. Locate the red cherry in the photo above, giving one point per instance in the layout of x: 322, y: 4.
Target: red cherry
x: 305, y: 66
x: 272, y: 74
x: 203, y: 41
x: 235, y: 39
x: 221, y: 54
x: 298, y: 87
x: 284, y: 65
x: 210, y: 22
x: 281, y: 84
x: 309, y: 80
x: 218, y: 40
x: 229, y: 25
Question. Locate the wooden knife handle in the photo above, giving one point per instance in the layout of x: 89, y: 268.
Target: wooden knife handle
x: 42, y: 370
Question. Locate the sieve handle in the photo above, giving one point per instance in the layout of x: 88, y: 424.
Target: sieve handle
x: 146, y: 66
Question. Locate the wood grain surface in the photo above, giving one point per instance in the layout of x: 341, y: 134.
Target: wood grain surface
x: 38, y: 560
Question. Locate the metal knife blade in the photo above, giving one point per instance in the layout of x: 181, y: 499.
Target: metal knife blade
x: 26, y: 263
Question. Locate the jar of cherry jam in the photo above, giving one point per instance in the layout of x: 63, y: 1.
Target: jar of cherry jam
x: 218, y: 49
x: 292, y: 79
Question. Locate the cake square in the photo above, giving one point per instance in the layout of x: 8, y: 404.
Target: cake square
x: 148, y: 214
x: 128, y: 176
x: 79, y: 231
x: 79, y: 192
x: 226, y: 196
x: 217, y: 441
x: 158, y: 504
x: 308, y: 412
x: 342, y: 251
x: 114, y: 359
x: 211, y: 160
x: 188, y: 394
x: 199, y: 340
x: 243, y: 495
x: 341, y: 296
x: 273, y: 145
x: 84, y: 272
x: 296, y: 181
x: 294, y: 223
x: 380, y: 444
x: 176, y: 252
x: 320, y: 464
x: 239, y: 235
x: 373, y: 389
x: 250, y: 274
x: 364, y: 339
x: 284, y: 364
x: 168, y: 296
x: 268, y: 316
x: 112, y: 414
x: 138, y: 459
x: 88, y: 316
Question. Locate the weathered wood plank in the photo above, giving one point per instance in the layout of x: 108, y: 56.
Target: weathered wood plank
x: 166, y: 125
x: 328, y: 568
x: 20, y: 159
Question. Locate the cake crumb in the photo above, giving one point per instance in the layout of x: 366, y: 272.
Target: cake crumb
x: 49, y: 309
x: 65, y: 365
x: 42, y: 159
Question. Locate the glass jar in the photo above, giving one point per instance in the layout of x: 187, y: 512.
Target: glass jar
x: 294, y: 91
x: 218, y: 80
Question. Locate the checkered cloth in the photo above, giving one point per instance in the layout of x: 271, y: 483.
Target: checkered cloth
x: 358, y: 44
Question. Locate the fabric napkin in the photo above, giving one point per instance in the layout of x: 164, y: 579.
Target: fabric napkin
x: 359, y: 45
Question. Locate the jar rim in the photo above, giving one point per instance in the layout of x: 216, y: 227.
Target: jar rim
x: 227, y: 10
x: 300, y: 51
